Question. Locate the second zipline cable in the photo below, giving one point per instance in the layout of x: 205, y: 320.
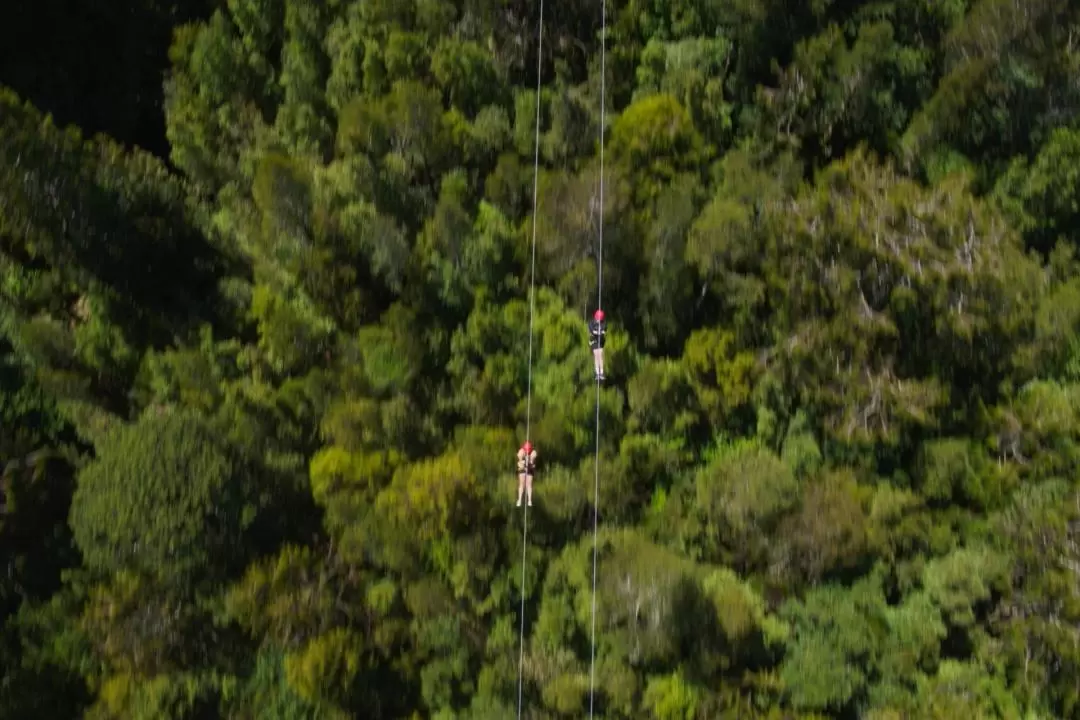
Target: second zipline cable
x: 599, y: 305
x: 528, y: 391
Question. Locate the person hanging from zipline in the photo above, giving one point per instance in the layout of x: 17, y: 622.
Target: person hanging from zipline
x: 597, y: 331
x: 526, y: 465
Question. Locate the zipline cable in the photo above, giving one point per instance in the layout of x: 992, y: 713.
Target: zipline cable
x: 599, y: 305
x: 532, y: 305
x: 521, y: 640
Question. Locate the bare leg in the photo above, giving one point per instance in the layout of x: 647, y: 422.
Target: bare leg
x: 521, y: 488
x: 598, y: 361
x: 528, y: 485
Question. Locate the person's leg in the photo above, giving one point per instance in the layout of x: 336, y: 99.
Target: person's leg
x: 521, y: 487
x: 600, y: 360
x: 597, y: 361
x: 528, y: 488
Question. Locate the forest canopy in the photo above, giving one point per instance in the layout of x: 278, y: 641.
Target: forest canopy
x: 263, y: 377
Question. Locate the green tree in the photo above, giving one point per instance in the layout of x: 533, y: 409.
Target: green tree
x: 166, y: 497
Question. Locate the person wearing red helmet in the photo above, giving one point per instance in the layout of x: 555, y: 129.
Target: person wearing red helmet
x: 526, y: 464
x: 597, y: 331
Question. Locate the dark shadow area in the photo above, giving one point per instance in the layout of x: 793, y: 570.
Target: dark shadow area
x: 96, y: 64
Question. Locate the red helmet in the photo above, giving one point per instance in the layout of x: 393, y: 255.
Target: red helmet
x: 598, y: 315
x: 527, y: 447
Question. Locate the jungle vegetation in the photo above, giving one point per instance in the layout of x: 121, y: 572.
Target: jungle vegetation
x: 264, y: 310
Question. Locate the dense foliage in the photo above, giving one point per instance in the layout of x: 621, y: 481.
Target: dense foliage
x: 260, y: 399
